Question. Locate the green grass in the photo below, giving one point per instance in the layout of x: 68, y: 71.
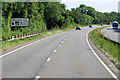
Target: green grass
x: 9, y: 44
x: 106, y: 45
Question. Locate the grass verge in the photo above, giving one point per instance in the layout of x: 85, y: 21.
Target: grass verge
x: 9, y: 44
x: 110, y: 48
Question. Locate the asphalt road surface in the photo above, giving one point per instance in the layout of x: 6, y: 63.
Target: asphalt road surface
x: 64, y: 55
x: 111, y: 34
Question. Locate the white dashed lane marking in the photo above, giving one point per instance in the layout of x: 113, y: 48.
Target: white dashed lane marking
x: 48, y: 59
x: 54, y: 51
x: 37, y: 77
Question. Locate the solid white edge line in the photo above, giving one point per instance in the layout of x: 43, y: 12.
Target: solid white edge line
x: 20, y: 48
x: 48, y: 59
x: 12, y: 51
x: 23, y: 47
x: 37, y: 77
x: 114, y: 76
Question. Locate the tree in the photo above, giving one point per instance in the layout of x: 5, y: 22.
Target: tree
x: 53, y: 14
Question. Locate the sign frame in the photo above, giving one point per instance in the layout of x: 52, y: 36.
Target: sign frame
x: 19, y: 21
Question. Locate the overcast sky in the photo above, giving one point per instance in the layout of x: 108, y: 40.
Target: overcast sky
x: 99, y: 5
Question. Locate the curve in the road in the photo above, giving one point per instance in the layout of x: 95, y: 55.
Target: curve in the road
x: 71, y: 59
x: 114, y: 76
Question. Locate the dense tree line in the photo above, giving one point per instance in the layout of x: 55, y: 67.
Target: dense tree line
x: 41, y: 16
x: 48, y: 15
x: 88, y: 15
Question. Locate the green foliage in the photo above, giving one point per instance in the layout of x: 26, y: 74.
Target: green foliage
x: 95, y: 17
x: 106, y: 45
x: 53, y: 14
x: 32, y: 10
x: 48, y: 15
x: 9, y: 44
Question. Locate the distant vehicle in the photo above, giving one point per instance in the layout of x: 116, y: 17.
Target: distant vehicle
x: 78, y: 28
x: 101, y: 24
x: 90, y: 26
x: 108, y: 23
x: 115, y: 25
